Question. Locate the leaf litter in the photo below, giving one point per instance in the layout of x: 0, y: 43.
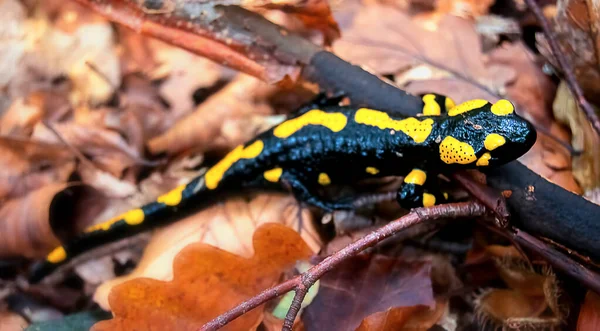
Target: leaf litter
x: 128, y: 117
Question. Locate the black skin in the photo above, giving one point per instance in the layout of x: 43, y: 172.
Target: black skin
x: 343, y: 156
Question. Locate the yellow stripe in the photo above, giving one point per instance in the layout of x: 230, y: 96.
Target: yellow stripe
x: 215, y: 174
x: 173, y: 197
x: 333, y: 121
x: 412, y: 127
x: 57, y: 255
x: 273, y: 175
x: 467, y: 106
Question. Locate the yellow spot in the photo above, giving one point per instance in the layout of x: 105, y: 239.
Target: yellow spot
x: 416, y: 176
x: 449, y: 103
x: 484, y: 160
x: 324, y: 179
x: 173, y: 197
x: 467, y: 106
x: 503, y: 107
x: 428, y: 200
x: 445, y: 195
x: 412, y: 127
x: 454, y: 151
x: 372, y: 170
x: 57, y: 255
x: 215, y: 174
x: 333, y: 121
x: 431, y: 107
x: 493, y: 141
x: 132, y: 217
x: 273, y: 174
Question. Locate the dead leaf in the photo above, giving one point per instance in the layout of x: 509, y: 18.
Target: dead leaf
x: 589, y: 313
x: 85, y: 53
x: 388, y: 41
x: 228, y: 226
x: 586, y: 167
x: 531, y: 90
x: 29, y: 165
x: 243, y: 96
x: 106, y: 148
x: 412, y: 318
x: 207, y: 281
x: 12, y: 30
x: 30, y: 225
x: 365, y: 285
x: 576, y: 28
x: 10, y: 321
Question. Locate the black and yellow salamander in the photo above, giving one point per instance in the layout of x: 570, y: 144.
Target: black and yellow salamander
x: 334, y: 145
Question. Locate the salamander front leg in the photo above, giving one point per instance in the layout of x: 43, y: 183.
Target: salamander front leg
x: 417, y: 191
x: 304, y: 194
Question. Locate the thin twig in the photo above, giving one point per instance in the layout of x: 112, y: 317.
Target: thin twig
x: 565, y: 66
x: 307, y: 279
x: 290, y: 317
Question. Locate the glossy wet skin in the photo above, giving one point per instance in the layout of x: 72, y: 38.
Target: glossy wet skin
x: 514, y: 136
x: 335, y: 146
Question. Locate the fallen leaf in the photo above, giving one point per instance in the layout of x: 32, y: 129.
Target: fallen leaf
x: 12, y: 30
x: 412, y: 318
x: 576, y: 28
x: 589, y: 313
x: 243, y: 96
x: 586, y: 166
x: 85, y: 53
x: 206, y: 282
x: 10, y: 321
x: 30, y: 225
x: 29, y: 165
x: 228, y: 226
x: 387, y: 41
x: 365, y: 285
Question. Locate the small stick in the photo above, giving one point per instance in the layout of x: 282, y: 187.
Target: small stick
x: 303, y: 282
x: 565, y: 66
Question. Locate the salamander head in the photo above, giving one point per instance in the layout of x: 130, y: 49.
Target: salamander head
x: 482, y: 134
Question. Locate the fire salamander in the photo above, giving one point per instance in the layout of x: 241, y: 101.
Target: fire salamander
x: 334, y: 145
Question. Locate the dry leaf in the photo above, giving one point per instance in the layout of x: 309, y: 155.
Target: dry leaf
x: 388, y: 41
x: 365, y: 285
x: 228, y: 226
x: 29, y: 225
x: 29, y: 165
x: 85, y: 54
x: 12, y: 38
x: 243, y: 96
x: 207, y: 281
x: 503, y: 305
x: 589, y: 313
x: 576, y: 26
x: 11, y: 322
x: 586, y: 167
x: 414, y: 318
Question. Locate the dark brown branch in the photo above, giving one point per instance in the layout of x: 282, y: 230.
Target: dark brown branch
x: 565, y: 66
x: 558, y: 260
x: 307, y: 279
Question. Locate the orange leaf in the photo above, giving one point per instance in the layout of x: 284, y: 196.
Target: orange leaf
x: 589, y: 314
x: 228, y: 226
x: 412, y: 318
x: 207, y: 281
